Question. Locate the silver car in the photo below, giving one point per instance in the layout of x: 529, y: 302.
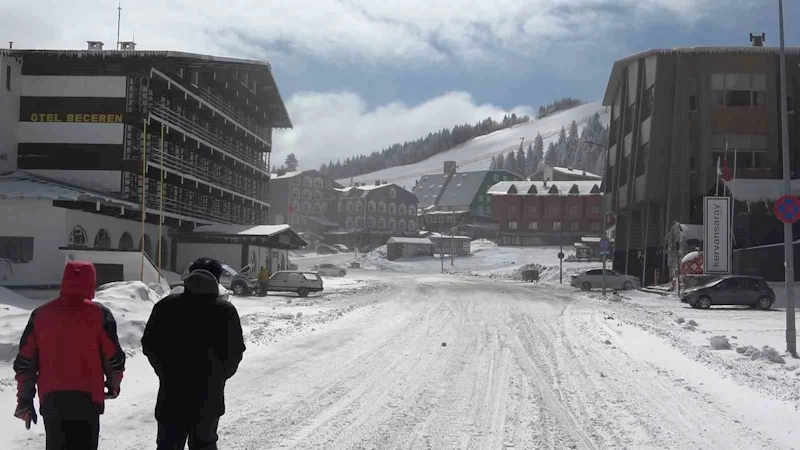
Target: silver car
x: 330, y: 270
x: 593, y: 279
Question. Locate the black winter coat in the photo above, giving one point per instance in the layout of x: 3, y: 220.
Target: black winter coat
x: 194, y: 343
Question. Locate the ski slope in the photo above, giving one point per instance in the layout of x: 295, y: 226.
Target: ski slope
x: 476, y: 154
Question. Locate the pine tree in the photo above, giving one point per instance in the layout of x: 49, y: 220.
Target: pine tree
x: 522, y: 165
x: 323, y: 169
x: 538, y: 151
x: 511, y: 162
x: 529, y: 162
x: 573, y: 131
x: 550, y: 158
x: 493, y: 165
x: 291, y: 162
x: 501, y: 164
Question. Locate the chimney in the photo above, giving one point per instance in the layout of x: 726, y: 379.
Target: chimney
x: 449, y: 167
x: 127, y: 45
x: 10, y: 44
x: 758, y: 41
x: 94, y: 45
x: 377, y: 182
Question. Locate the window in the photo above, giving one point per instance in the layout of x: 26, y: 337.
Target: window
x: 296, y: 193
x: 748, y: 151
x: 359, y: 205
x: 125, y: 242
x: 575, y: 226
x: 647, y: 103
x: 533, y: 225
x: 623, y: 171
x: 573, y: 210
x: 8, y: 78
x: 738, y: 89
x: 511, y: 208
x: 307, y: 181
x: 641, y: 159
x: 552, y: 209
x: 371, y: 206
x: 317, y: 182
x: 196, y: 78
x: 381, y: 223
x: 78, y: 236
x: 349, y: 222
x: 595, y: 209
x: 296, y: 181
x: 16, y: 249
x: 496, y: 178
x: 359, y: 222
x: 693, y: 94
x: 306, y: 207
x: 556, y: 226
x: 392, y: 193
x: 306, y: 194
x: 392, y: 208
x: 412, y: 225
x: 531, y: 208
x: 403, y: 209
x: 102, y: 239
x: 381, y: 207
x: 318, y: 195
x: 595, y: 226
x: 402, y: 224
x: 349, y: 206
x: 512, y: 225
x: 371, y: 222
x: 412, y: 211
x: 392, y: 224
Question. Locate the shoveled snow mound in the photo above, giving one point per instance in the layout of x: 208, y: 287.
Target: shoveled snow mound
x: 9, y: 297
x: 768, y: 353
x: 720, y: 343
x: 131, y: 303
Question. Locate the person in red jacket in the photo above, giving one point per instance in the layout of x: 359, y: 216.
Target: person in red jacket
x: 71, y: 351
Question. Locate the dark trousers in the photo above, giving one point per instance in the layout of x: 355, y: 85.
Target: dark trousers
x: 202, y: 435
x: 69, y: 434
x: 263, y: 287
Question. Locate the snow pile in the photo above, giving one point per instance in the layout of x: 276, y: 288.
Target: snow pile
x: 131, y: 303
x: 766, y: 353
x: 720, y: 343
x: 9, y: 297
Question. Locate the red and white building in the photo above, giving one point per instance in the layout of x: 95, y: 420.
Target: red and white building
x: 546, y: 213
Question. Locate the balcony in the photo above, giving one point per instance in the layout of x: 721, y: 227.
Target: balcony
x: 199, y: 133
x: 247, y: 123
x: 207, y: 175
x: 174, y: 206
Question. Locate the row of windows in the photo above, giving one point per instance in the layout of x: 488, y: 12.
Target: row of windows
x: 102, y: 240
x: 307, y: 194
x: 553, y: 209
x: 307, y: 207
x: 308, y: 182
x: 380, y: 207
x: 534, y: 226
x: 381, y: 223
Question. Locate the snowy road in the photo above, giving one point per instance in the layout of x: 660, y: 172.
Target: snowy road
x: 524, y: 366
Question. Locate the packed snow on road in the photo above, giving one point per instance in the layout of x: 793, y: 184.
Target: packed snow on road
x: 400, y: 355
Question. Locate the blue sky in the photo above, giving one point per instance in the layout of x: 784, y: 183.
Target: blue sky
x: 360, y: 75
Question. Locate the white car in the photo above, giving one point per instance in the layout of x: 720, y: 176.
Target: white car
x: 329, y: 270
x: 593, y: 279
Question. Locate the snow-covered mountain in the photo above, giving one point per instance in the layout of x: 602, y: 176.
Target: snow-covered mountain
x: 477, y: 153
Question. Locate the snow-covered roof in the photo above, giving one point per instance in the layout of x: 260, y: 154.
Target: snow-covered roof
x: 409, y: 240
x: 548, y: 188
x: 580, y: 172
x: 591, y: 239
x: 242, y: 230
x: 446, y: 213
x: 24, y: 186
x: 753, y: 190
x: 447, y: 236
x: 288, y: 175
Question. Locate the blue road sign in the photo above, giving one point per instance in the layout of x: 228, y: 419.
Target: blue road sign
x: 787, y: 209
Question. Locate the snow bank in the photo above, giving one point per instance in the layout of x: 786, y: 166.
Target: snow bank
x: 131, y: 303
x: 720, y: 343
x: 766, y: 353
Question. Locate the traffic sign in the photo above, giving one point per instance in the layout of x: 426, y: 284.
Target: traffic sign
x: 605, y: 246
x: 787, y: 209
x: 560, y: 255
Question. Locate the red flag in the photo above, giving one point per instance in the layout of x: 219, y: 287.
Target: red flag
x: 726, y: 175
x: 291, y: 208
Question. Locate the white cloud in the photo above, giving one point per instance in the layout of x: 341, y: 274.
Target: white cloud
x: 394, y: 31
x: 331, y: 126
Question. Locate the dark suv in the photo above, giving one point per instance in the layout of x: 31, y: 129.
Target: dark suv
x: 731, y: 290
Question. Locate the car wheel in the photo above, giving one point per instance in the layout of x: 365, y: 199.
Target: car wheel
x: 342, y: 273
x: 239, y: 289
x: 764, y: 303
x: 586, y: 286
x: 627, y: 286
x: 302, y: 292
x: 703, y: 302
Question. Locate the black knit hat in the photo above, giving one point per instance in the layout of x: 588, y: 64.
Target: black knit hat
x: 211, y: 265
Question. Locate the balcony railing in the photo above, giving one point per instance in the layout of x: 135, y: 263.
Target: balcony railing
x: 181, y: 166
x: 218, y: 102
x: 189, y: 126
x: 185, y: 209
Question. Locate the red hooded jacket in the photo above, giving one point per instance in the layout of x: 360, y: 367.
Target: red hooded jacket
x: 70, y: 349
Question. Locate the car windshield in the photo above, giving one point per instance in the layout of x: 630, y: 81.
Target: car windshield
x: 229, y: 270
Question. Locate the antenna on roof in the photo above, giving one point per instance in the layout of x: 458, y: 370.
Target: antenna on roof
x: 119, y: 21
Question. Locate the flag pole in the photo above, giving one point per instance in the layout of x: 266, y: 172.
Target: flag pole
x: 161, y: 207
x: 716, y: 185
x: 144, y: 191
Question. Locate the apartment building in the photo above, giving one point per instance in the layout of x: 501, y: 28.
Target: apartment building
x: 673, y: 114
x: 546, y: 213
x: 300, y: 198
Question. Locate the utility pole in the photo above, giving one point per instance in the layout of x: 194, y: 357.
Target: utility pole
x: 561, y: 243
x: 452, y: 240
x: 791, y: 334
x: 119, y: 21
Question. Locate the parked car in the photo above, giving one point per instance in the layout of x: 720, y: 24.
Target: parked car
x: 326, y: 250
x: 302, y: 283
x: 592, y: 279
x: 342, y: 248
x: 731, y: 290
x: 238, y: 282
x: 330, y: 270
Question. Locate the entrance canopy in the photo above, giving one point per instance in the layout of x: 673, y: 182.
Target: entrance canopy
x: 272, y: 236
x: 755, y: 190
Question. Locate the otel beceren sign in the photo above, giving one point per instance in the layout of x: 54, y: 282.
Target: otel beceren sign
x: 717, y: 235
x: 75, y: 118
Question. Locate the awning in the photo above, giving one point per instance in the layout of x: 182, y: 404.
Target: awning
x: 757, y: 190
x: 272, y: 236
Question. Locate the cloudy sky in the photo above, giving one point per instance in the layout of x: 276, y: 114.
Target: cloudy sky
x: 359, y: 75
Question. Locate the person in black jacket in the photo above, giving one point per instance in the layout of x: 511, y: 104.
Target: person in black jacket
x: 194, y: 343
